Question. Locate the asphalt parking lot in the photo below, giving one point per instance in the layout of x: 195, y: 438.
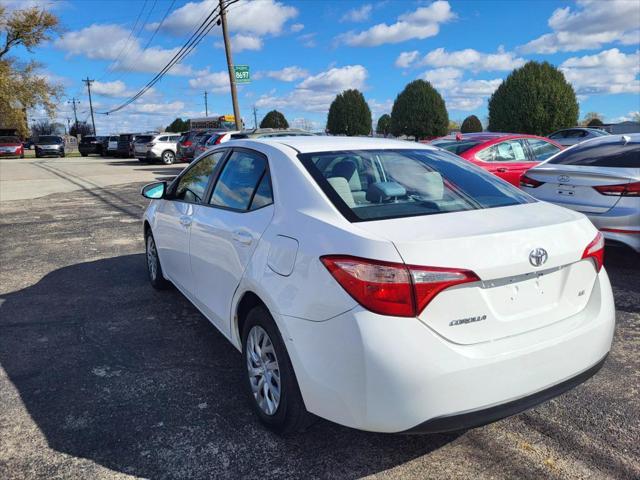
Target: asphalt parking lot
x: 103, y: 377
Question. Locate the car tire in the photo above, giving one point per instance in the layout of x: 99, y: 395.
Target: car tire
x: 288, y: 414
x: 84, y: 154
x: 62, y: 155
x: 38, y: 155
x: 154, y: 269
x: 168, y: 157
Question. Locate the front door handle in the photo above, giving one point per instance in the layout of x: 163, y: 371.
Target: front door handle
x: 242, y: 236
x: 501, y: 170
x: 185, y: 220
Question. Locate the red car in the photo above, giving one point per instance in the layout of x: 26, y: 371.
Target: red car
x: 507, y: 155
x: 11, y: 146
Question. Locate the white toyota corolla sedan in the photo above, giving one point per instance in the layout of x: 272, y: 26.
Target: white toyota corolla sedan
x: 384, y: 285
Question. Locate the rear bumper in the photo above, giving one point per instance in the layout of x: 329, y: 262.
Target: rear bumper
x: 482, y: 417
x: 621, y: 224
x: 393, y: 374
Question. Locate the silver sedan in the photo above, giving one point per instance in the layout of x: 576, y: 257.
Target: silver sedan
x: 600, y: 178
x: 571, y: 136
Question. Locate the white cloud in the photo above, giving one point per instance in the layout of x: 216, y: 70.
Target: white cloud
x: 442, y: 78
x: 257, y: 18
x: 405, y: 59
x: 592, y: 24
x: 109, y: 42
x: 379, y: 108
x: 608, y: 72
x: 114, y: 89
x: 629, y: 117
x: 297, y: 27
x: 315, y: 93
x: 460, y: 94
x: 422, y: 23
x: 467, y: 59
x: 242, y: 42
x: 288, y: 74
x: 157, y: 108
x: 308, y: 40
x: 218, y: 82
x: 360, y: 14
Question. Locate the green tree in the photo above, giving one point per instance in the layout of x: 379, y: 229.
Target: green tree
x: 419, y: 111
x: 349, y: 114
x: 471, y: 124
x: 81, y: 128
x: 536, y: 99
x: 383, y: 127
x: 590, y: 116
x: 178, y: 126
x: 21, y: 86
x: 274, y: 119
x: 595, y: 122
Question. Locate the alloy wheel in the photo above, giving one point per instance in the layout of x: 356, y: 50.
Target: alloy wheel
x: 152, y: 257
x: 263, y: 370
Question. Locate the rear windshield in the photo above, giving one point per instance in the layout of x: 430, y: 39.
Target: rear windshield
x: 598, y: 154
x: 49, y: 139
x: 380, y: 184
x: 9, y: 140
x: 88, y: 139
x: 455, y: 146
x: 144, y: 138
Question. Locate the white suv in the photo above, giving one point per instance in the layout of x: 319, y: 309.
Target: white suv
x: 161, y: 146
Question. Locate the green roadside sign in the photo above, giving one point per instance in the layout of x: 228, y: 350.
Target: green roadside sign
x: 242, y: 74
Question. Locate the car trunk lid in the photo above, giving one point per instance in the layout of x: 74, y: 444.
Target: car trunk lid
x: 512, y: 296
x: 572, y: 186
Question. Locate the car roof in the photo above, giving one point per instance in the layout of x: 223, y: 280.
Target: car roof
x: 308, y: 144
x: 621, y: 139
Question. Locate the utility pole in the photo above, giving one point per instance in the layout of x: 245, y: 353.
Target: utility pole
x: 232, y: 77
x: 255, y: 117
x: 74, y: 101
x: 93, y: 121
x: 68, y: 132
x: 206, y: 106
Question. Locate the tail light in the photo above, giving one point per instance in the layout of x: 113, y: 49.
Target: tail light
x: 624, y: 190
x: 186, y: 143
x: 393, y: 288
x: 529, y: 182
x: 595, y: 250
x: 150, y: 145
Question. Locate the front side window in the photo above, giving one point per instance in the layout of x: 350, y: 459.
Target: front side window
x: 508, y: 151
x: 193, y: 184
x: 238, y: 180
x: 379, y: 184
x: 542, y: 150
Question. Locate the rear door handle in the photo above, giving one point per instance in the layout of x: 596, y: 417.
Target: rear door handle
x: 185, y: 220
x: 502, y: 170
x: 242, y: 236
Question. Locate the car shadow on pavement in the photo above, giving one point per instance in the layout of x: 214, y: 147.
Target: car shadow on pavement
x: 140, y: 382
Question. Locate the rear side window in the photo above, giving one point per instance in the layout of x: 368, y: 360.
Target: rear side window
x: 163, y: 139
x: 542, y: 150
x: 610, y: 154
x: 560, y: 134
x: 239, y: 179
x: 380, y: 184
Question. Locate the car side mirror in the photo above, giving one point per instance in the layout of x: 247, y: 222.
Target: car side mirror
x: 154, y: 191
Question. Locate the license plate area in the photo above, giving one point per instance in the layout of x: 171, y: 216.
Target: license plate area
x: 566, y: 190
x: 525, y: 294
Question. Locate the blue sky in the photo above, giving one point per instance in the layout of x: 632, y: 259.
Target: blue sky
x: 302, y: 53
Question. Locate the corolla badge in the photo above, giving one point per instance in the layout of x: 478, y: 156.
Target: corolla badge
x: 538, y: 257
x: 563, y: 178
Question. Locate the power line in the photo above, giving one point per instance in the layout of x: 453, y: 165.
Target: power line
x: 205, y: 27
x: 126, y: 43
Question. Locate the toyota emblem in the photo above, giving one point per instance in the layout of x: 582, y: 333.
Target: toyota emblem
x: 563, y: 178
x: 538, y: 257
